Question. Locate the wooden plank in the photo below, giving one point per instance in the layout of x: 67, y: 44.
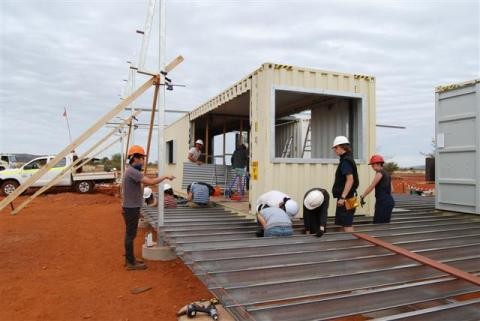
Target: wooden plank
x: 150, y: 128
x: 421, y: 259
x: 129, y: 134
x: 84, y: 136
x: 100, y: 151
x: 140, y: 289
x: 67, y: 168
x: 174, y: 63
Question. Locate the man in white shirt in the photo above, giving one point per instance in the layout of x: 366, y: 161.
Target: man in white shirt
x: 195, y: 152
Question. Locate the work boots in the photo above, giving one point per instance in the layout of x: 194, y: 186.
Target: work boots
x: 136, y: 266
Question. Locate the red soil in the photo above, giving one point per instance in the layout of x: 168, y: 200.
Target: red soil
x: 403, y: 182
x: 62, y: 259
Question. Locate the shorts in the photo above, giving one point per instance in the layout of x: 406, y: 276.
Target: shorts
x: 383, y: 210
x: 239, y: 171
x: 344, y: 217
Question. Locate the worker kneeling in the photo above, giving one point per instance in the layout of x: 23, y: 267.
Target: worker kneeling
x: 199, y: 195
x: 168, y: 197
x: 275, y: 222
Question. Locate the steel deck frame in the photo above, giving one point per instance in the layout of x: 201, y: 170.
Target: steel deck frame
x: 305, y: 278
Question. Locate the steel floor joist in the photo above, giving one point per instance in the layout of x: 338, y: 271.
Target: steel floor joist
x: 305, y: 278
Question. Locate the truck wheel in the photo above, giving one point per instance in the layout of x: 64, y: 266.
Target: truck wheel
x: 8, y: 187
x: 84, y: 187
x: 2, y: 168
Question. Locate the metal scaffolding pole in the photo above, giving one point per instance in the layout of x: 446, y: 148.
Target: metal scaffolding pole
x: 161, y: 117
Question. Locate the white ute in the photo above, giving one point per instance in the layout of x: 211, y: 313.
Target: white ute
x: 10, y: 179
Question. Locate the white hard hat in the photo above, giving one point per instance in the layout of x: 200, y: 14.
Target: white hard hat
x: 199, y: 141
x: 291, y: 207
x: 313, y: 199
x: 166, y: 186
x: 147, y: 191
x: 340, y: 140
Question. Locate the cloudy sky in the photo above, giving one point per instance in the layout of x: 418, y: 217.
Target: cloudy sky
x: 73, y: 53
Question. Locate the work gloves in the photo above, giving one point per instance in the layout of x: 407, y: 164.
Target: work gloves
x: 362, y: 201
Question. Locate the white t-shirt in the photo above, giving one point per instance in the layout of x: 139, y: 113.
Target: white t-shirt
x: 272, y: 198
x: 195, y: 153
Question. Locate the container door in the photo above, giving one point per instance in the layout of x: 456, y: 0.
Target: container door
x: 457, y: 152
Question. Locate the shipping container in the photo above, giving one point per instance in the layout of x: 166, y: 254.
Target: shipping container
x: 457, y: 160
x: 291, y: 115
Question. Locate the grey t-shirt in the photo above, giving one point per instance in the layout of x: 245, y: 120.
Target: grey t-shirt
x: 275, y: 216
x: 132, y: 188
x: 200, y: 193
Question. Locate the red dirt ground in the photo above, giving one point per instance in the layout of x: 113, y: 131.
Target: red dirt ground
x: 61, y: 258
x: 402, y: 182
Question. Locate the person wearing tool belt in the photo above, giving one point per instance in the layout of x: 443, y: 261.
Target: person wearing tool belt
x: 346, y: 182
x: 133, y: 200
x: 384, y: 202
x: 315, y: 211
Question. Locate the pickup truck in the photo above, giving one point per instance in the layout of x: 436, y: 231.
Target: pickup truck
x: 10, y: 179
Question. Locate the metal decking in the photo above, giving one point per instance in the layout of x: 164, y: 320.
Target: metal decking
x: 303, y: 277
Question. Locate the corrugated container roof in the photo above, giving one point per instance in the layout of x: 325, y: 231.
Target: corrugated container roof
x: 244, y: 84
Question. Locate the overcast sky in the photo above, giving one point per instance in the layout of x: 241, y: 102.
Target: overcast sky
x: 73, y: 53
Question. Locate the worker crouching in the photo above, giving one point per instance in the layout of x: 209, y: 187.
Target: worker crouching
x: 169, y: 200
x: 315, y: 211
x: 275, y: 222
x: 198, y: 195
x: 275, y: 199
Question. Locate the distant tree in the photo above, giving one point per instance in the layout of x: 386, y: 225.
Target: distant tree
x: 116, y: 160
x: 391, y: 167
x: 113, y: 162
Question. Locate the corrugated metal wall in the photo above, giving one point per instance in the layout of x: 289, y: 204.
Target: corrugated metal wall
x: 221, y: 175
x: 327, y: 123
x: 296, y: 178
x: 457, y: 160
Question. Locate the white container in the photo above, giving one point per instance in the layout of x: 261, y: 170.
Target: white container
x: 457, y: 160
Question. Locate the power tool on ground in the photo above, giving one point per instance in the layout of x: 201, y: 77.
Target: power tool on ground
x: 193, y: 309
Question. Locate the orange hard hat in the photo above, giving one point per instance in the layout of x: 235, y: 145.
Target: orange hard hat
x: 375, y: 159
x: 136, y: 149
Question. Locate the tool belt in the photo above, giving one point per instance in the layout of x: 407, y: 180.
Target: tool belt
x: 352, y: 203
